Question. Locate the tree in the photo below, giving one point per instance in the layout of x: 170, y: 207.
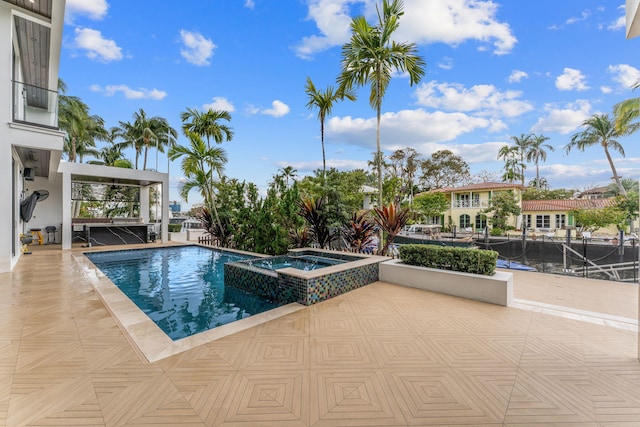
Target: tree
x: 521, y: 145
x: 111, y: 154
x: 513, y: 166
x: 503, y: 205
x: 359, y: 232
x: 536, y: 152
x: 600, y: 129
x: 371, y: 56
x: 533, y: 193
x: 324, y: 100
x: 288, y: 173
x: 431, y: 204
x: 207, y: 124
x: 444, y: 169
x: 404, y: 163
x: 593, y: 219
x: 82, y: 129
x: 198, y: 164
x: 540, y: 183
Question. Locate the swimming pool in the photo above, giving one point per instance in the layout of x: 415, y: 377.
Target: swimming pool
x: 180, y: 288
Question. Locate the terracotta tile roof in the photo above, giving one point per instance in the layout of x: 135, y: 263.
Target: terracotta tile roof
x: 565, y: 205
x: 481, y: 186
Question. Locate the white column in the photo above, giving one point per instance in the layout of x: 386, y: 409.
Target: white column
x: 144, y: 204
x: 66, y: 231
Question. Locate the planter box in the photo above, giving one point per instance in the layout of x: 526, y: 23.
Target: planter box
x: 496, y: 289
x: 180, y: 236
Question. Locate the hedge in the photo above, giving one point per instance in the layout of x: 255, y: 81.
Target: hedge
x: 174, y: 228
x: 477, y: 261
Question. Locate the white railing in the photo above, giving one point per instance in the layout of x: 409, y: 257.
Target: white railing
x: 469, y: 204
x: 35, y: 105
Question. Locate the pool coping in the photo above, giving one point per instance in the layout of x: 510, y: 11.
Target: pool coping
x: 146, y: 338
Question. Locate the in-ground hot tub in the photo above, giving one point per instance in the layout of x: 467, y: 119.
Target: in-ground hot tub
x: 306, y: 276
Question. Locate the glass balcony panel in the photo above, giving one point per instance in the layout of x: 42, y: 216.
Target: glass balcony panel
x: 35, y: 105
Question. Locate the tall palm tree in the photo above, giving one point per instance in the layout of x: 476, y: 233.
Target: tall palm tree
x: 627, y: 110
x: 536, y: 152
x: 198, y: 165
x: 287, y: 173
x: 324, y: 101
x: 207, y: 124
x: 111, y: 154
x: 371, y: 56
x: 146, y: 132
x: 601, y: 129
x: 522, y: 144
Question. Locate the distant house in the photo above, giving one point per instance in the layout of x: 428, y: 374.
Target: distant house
x: 467, y: 203
x: 595, y: 193
x: 370, y: 194
x: 551, y: 215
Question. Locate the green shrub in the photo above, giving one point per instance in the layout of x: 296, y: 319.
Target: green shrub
x: 497, y: 231
x: 175, y: 228
x: 477, y: 261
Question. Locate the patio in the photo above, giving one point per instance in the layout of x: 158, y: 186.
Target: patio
x: 384, y: 355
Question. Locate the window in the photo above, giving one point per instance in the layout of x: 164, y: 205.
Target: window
x: 543, y: 221
x: 465, y: 221
x: 481, y: 221
x: 561, y: 221
x: 526, y: 221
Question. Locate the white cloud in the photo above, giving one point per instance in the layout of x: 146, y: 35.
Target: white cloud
x: 406, y: 127
x: 583, y: 17
x: 332, y: 19
x: 129, y: 93
x: 93, y: 9
x: 278, y: 109
x: 452, y: 22
x: 481, y: 99
x: 96, y: 46
x: 455, y: 21
x: 446, y: 63
x: 618, y: 24
x: 219, y: 103
x: 197, y: 49
x: 571, y: 79
x: 625, y: 75
x: 517, y: 75
x: 563, y: 120
x: 249, y: 4
x: 606, y: 89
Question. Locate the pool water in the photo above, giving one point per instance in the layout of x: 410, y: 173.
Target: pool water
x: 181, y: 289
x: 305, y: 262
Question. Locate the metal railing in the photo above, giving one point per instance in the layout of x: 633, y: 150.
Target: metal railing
x: 35, y: 105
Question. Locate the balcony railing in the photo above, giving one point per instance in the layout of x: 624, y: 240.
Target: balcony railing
x: 35, y: 105
x: 469, y: 204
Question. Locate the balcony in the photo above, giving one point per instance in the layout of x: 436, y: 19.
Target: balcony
x: 469, y: 204
x: 35, y: 105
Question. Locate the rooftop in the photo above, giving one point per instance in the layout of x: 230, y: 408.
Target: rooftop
x: 565, y: 205
x: 380, y: 355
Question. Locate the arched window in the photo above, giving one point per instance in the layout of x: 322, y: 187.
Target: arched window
x: 465, y: 221
x: 481, y: 221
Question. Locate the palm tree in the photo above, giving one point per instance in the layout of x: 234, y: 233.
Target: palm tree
x: 207, y: 124
x: 371, y: 56
x: 627, y: 110
x: 198, y: 164
x: 82, y: 129
x: 600, y: 129
x: 536, y: 152
x: 324, y: 102
x: 512, y: 164
x: 111, y: 154
x: 522, y: 144
x: 288, y: 173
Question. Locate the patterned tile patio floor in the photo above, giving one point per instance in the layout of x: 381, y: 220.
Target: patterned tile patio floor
x: 382, y: 355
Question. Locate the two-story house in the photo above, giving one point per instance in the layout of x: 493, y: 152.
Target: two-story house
x: 31, y: 143
x: 468, y: 202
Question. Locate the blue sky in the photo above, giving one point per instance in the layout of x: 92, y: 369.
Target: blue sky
x: 495, y: 69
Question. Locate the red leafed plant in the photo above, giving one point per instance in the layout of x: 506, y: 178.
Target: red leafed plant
x: 392, y: 220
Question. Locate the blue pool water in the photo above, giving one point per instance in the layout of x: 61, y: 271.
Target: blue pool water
x: 305, y: 262
x: 181, y: 289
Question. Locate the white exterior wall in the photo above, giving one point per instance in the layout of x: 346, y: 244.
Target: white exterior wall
x: 25, y: 135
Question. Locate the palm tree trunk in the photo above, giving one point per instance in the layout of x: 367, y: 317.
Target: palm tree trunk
x: 537, y: 176
x: 324, y: 161
x: 616, y: 178
x: 378, y: 152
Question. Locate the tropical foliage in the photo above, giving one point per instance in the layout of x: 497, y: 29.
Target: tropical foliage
x: 391, y: 219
